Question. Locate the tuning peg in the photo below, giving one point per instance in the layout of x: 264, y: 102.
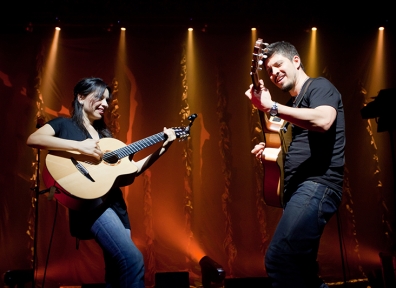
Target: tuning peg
x: 193, y: 116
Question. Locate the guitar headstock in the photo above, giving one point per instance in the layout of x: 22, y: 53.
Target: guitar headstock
x: 259, y: 54
x: 183, y: 132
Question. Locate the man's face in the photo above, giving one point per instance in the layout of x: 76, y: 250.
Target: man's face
x: 282, y: 71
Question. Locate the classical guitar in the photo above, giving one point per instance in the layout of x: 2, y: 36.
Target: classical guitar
x: 272, y: 157
x: 81, y: 182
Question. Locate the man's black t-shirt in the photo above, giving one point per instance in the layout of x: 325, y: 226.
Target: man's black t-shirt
x: 314, y: 155
x: 81, y: 221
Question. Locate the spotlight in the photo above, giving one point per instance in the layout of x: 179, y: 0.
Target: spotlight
x: 110, y: 27
x: 211, y: 272
x: 29, y: 27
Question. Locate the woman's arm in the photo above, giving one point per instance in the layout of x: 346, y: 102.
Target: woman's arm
x: 44, y: 138
x: 146, y: 162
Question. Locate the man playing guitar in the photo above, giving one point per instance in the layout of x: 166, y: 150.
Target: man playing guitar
x: 313, y: 167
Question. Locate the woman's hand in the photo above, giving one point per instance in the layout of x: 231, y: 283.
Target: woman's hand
x: 171, y: 136
x: 90, y: 147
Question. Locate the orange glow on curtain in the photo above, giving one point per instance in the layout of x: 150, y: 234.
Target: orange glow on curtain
x: 254, y: 38
x: 311, y: 66
x: 174, y: 234
x: 189, y: 246
x: 191, y: 67
x: 122, y: 68
x: 121, y: 54
x: 49, y: 68
x: 376, y: 78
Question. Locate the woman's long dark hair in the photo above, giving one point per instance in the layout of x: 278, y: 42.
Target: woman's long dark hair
x: 83, y: 88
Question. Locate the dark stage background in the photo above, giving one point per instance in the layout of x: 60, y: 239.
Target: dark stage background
x: 204, y: 194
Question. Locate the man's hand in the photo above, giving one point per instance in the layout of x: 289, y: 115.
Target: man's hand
x: 260, y: 99
x: 258, y: 150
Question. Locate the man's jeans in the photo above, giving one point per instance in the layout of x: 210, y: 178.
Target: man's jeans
x: 123, y: 260
x: 291, y: 256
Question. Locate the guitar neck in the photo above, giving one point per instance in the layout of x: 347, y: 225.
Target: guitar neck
x: 255, y: 81
x: 134, y: 147
x: 256, y: 87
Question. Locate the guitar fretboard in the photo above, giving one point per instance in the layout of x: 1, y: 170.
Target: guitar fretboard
x: 133, y: 148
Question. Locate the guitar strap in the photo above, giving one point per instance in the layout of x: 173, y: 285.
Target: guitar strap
x: 298, y: 101
x: 285, y: 135
x: 285, y: 132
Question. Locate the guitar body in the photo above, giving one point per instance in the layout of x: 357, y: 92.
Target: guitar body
x: 81, y: 182
x: 83, y: 190
x: 272, y: 160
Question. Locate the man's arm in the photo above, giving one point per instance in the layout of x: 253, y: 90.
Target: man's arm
x: 317, y: 119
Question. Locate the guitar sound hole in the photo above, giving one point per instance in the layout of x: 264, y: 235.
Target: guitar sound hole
x: 110, y: 159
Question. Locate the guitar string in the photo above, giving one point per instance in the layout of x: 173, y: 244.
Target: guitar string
x: 130, y: 149
x: 141, y: 144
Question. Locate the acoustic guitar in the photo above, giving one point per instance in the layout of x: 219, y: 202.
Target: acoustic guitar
x: 272, y: 157
x: 81, y: 182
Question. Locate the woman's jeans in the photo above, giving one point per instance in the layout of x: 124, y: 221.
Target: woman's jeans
x: 123, y: 261
x: 291, y: 256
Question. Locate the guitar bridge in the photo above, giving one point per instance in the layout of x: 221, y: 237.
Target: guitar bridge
x: 81, y: 169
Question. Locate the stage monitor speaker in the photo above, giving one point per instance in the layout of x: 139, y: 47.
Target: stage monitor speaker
x: 249, y: 282
x: 172, y: 280
x: 18, y: 278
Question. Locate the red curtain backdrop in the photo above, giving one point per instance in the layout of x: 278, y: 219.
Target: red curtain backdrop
x: 210, y: 200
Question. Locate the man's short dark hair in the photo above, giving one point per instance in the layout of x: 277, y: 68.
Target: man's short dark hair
x: 283, y: 48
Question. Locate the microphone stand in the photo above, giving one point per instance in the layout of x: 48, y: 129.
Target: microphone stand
x: 341, y: 247
x: 37, y: 193
x: 36, y: 213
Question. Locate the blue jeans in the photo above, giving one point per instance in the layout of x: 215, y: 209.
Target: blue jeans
x: 290, y: 260
x: 124, y: 262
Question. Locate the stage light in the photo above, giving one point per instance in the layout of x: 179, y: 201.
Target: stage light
x: 254, y: 29
x: 211, y: 272
x: 57, y: 28
x: 123, y: 28
x: 381, y: 28
x: 190, y: 29
x: 314, y: 28
x: 29, y: 27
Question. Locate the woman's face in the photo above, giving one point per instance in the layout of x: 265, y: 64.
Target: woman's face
x: 93, y: 107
